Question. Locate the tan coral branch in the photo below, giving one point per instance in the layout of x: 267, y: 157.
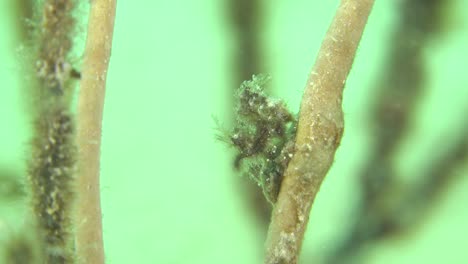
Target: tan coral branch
x: 319, y: 132
x: 89, y: 244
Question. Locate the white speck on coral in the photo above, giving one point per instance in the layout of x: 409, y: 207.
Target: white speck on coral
x: 283, y: 250
x: 301, y: 218
x: 271, y: 103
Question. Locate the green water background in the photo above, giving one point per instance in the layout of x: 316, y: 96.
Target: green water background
x: 168, y: 189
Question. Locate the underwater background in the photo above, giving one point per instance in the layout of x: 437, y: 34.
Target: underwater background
x: 170, y: 193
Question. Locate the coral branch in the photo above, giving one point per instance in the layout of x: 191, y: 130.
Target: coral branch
x: 89, y: 244
x: 319, y: 132
x: 51, y: 171
x: 246, y: 19
x: 52, y: 163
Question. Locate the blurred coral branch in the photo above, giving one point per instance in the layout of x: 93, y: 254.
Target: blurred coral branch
x: 389, y: 207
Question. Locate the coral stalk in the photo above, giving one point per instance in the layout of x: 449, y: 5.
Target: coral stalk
x: 52, y: 164
x: 89, y: 243
x: 319, y: 132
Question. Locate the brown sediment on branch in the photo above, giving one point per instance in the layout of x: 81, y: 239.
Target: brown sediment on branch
x: 89, y: 244
x: 51, y: 173
x: 55, y: 43
x: 52, y: 163
x: 318, y: 134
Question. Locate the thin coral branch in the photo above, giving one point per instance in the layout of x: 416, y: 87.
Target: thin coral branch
x: 52, y: 164
x: 89, y: 244
x: 246, y: 22
x: 51, y: 174
x: 246, y: 19
x: 319, y: 132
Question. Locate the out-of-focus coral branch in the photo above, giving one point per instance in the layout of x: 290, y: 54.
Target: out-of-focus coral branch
x: 246, y: 23
x: 398, y: 209
x: 10, y: 186
x: 21, y: 249
x: 24, y: 10
x: 246, y: 19
x: 387, y: 206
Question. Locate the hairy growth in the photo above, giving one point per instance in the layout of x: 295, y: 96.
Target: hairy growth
x: 52, y: 163
x: 51, y: 171
x: 263, y: 136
